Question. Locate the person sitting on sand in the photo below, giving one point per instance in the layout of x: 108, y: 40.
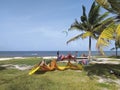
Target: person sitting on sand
x: 70, y: 57
x: 83, y: 55
x: 51, y: 66
x: 61, y: 57
x: 42, y: 63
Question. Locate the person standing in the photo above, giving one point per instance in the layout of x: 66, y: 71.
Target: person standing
x: 58, y: 55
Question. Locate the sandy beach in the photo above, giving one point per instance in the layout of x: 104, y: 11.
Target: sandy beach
x: 97, y: 60
x: 11, y: 58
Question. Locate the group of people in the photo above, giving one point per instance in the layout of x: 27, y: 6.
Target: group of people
x: 68, y: 57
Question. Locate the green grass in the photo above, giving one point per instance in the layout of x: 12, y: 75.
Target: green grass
x: 13, y: 79
x: 103, y: 70
x: 27, y: 61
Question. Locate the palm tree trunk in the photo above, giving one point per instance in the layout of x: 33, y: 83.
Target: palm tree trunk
x: 116, y: 47
x: 116, y: 51
x: 89, y: 48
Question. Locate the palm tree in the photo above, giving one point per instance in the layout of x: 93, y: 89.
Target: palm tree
x: 91, y: 25
x: 112, y: 6
x: 117, y: 45
x: 111, y: 33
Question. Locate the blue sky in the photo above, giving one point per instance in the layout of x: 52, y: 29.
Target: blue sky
x: 27, y: 25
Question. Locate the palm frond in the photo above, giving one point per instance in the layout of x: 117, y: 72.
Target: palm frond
x: 91, y: 10
x: 102, y: 17
x: 84, y: 16
x: 108, y: 32
x: 111, y: 5
x: 94, y: 13
x: 105, y: 37
x: 94, y: 36
x: 78, y: 26
x: 118, y: 32
x: 98, y: 28
x: 101, y: 51
x: 115, y: 5
x: 66, y: 33
x: 117, y: 18
x: 101, y: 43
x: 75, y: 38
x: 103, y: 3
x: 75, y: 26
x: 86, y: 34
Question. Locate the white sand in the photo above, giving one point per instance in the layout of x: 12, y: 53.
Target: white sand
x: 106, y: 61
x: 49, y: 57
x: 25, y: 67
x: 3, y: 59
x: 45, y: 57
x: 19, y: 67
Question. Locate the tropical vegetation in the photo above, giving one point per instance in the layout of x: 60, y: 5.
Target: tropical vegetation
x: 116, y: 47
x: 112, y: 32
x: 91, y: 25
x: 112, y: 6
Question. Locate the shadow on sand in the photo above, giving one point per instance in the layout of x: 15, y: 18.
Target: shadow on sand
x: 106, y: 70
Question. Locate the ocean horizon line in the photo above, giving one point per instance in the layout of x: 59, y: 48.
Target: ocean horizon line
x: 49, y: 50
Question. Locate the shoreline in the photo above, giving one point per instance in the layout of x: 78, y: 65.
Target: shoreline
x: 11, y: 58
x: 95, y: 60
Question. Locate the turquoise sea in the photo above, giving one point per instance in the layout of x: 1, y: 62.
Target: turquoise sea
x: 48, y: 53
